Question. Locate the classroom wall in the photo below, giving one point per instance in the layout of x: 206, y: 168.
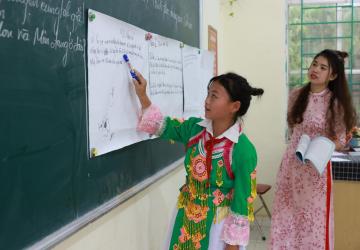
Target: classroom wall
x: 254, y: 46
x: 141, y: 222
x: 212, y: 16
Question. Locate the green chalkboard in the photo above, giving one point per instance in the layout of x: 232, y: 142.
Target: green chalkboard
x: 46, y: 178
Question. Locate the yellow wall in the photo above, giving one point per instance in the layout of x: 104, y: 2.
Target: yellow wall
x: 254, y: 46
x: 212, y: 16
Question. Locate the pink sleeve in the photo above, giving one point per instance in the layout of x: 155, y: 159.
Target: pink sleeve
x: 151, y: 120
x: 236, y: 230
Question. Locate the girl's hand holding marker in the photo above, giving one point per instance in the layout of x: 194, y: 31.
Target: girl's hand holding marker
x: 139, y: 83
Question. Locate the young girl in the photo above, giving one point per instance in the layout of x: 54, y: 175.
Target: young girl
x: 302, y: 211
x: 215, y: 203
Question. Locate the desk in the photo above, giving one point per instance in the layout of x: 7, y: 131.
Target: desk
x: 346, y: 177
x: 346, y: 170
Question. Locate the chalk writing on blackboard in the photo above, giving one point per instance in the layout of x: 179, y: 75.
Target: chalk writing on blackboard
x: 170, y: 12
x: 53, y: 34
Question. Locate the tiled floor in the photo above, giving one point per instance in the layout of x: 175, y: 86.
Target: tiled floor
x: 256, y: 242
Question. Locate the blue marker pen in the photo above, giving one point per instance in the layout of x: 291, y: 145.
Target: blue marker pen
x: 132, y: 72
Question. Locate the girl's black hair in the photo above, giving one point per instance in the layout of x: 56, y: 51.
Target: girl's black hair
x: 238, y: 89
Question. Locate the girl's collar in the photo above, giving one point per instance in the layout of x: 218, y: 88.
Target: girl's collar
x: 231, y: 133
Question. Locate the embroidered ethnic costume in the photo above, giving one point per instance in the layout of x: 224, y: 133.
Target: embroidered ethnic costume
x: 220, y: 182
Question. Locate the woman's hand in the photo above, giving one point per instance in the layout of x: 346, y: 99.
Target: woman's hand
x: 231, y: 247
x: 140, y: 89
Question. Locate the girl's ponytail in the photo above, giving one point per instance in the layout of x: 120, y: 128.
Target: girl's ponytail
x: 256, y: 91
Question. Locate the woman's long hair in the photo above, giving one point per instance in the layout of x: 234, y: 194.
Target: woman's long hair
x: 340, y: 92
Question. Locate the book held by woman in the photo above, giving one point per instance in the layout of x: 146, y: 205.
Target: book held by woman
x: 318, y: 151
